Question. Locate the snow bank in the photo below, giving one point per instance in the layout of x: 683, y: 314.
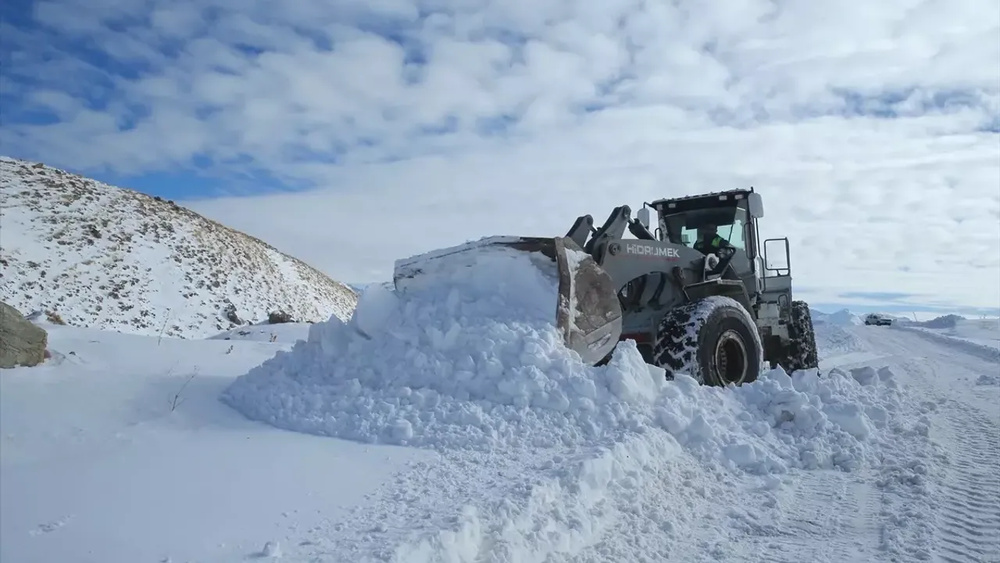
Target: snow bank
x: 476, y: 362
x: 471, y: 362
x: 781, y: 421
x: 833, y: 340
x: 843, y: 317
x: 764, y: 429
x: 944, y: 321
x: 475, y: 369
x: 988, y: 352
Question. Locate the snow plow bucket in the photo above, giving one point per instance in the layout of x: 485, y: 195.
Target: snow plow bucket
x: 587, y: 314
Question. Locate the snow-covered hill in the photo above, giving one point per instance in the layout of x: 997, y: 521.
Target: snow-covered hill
x: 106, y: 257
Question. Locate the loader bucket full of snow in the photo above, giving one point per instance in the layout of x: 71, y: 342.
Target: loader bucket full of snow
x: 586, y: 311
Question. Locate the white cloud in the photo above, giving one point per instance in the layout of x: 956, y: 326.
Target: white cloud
x: 855, y: 216
x: 866, y: 126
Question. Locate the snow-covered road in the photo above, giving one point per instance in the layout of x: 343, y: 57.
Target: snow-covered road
x: 960, y: 383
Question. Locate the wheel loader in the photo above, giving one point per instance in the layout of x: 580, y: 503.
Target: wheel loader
x: 715, y: 314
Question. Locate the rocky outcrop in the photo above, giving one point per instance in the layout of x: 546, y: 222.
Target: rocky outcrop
x: 21, y: 342
x: 279, y: 317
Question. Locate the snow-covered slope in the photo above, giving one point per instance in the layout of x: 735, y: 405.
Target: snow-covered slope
x: 106, y: 257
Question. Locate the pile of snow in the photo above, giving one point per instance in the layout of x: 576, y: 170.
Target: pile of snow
x: 469, y: 363
x: 781, y: 421
x: 981, y: 336
x: 988, y: 380
x: 944, y: 321
x: 475, y: 363
x: 842, y: 317
x: 647, y: 489
x: 834, y: 340
x: 531, y: 438
x: 104, y: 257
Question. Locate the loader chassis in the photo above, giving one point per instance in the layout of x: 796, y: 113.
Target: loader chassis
x: 716, y: 316
x: 660, y: 270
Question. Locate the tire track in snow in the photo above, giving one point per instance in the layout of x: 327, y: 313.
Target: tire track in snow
x: 819, y: 516
x: 968, y: 497
x: 969, y: 523
x: 963, y: 501
x: 833, y: 517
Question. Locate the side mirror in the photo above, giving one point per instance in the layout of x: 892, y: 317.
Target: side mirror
x: 755, y: 205
x: 643, y: 216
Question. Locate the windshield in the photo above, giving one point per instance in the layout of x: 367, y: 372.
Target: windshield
x: 683, y: 228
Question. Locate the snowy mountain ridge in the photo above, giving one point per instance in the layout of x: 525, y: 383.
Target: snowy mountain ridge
x: 105, y: 257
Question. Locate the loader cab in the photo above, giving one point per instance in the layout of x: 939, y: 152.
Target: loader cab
x: 734, y: 215
x: 764, y: 266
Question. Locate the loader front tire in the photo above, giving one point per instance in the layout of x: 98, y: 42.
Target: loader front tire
x: 711, y: 339
x: 800, y: 351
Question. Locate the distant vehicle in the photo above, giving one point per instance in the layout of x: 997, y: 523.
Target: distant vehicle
x: 877, y: 320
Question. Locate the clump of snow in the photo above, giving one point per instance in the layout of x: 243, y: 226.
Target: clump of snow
x: 986, y: 379
x: 781, y: 421
x: 271, y: 549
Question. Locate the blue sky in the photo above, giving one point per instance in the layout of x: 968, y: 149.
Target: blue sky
x: 872, y: 130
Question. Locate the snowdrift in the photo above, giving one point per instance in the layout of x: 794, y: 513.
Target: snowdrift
x: 988, y: 350
x: 944, y: 321
x: 842, y: 317
x: 468, y: 364
x: 475, y: 366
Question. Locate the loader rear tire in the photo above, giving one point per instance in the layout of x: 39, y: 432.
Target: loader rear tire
x: 711, y: 339
x: 800, y: 352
